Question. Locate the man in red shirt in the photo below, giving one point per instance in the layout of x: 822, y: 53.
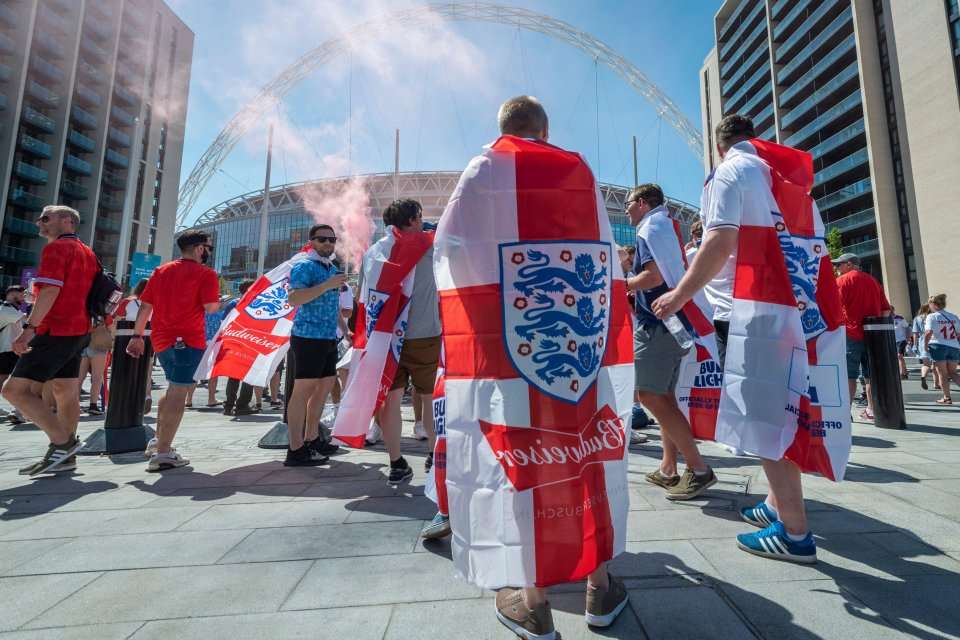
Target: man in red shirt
x: 177, y: 294
x: 55, y: 333
x: 862, y: 297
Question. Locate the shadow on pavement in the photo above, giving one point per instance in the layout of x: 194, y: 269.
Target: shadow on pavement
x: 47, y: 493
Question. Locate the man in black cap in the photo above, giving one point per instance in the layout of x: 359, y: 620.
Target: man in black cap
x: 10, y: 319
x: 862, y: 297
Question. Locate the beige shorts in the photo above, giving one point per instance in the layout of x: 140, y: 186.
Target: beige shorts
x: 419, y: 358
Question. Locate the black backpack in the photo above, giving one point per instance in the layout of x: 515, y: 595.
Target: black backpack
x: 105, y: 294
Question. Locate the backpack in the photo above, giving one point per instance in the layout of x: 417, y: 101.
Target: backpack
x: 104, y: 296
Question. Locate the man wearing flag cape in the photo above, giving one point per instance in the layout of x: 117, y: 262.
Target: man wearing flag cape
x: 779, y: 328
x: 538, y: 376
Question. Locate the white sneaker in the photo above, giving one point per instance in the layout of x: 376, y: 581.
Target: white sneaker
x: 637, y: 438
x: 167, y: 460
x: 374, y: 434
x: 151, y: 449
x: 418, y: 431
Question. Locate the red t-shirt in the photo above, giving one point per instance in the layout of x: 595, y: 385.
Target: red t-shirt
x: 178, y: 290
x: 70, y: 265
x: 862, y: 297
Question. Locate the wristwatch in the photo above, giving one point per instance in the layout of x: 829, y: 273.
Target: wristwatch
x: 27, y: 325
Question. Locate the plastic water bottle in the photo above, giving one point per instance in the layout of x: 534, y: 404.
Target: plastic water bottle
x: 179, y: 344
x: 679, y: 332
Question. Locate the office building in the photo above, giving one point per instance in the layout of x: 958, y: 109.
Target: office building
x: 870, y: 89
x: 92, y: 111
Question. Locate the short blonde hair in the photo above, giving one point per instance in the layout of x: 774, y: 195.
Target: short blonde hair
x: 940, y: 300
x: 63, y: 211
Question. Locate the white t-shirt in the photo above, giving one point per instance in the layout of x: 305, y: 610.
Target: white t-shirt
x: 900, y: 329
x: 741, y: 182
x: 944, y: 326
x: 346, y: 304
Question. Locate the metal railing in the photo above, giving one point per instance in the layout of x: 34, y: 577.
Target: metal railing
x: 111, y: 202
x: 853, y: 221
x: 113, y: 180
x: 84, y: 118
x: 864, y: 249
x: 21, y: 227
x: 45, y: 68
x: 9, y: 16
x: 851, y: 101
x: 30, y: 173
x: 33, y: 146
x: 837, y: 139
x: 118, y: 136
x: 18, y: 255
x: 89, y: 95
x: 44, y: 95
x: 74, y: 189
x: 26, y: 200
x: 108, y: 225
x: 124, y: 95
x: 819, y: 95
x: 121, y: 116
x: 91, y: 71
x: 788, y: 19
x: 805, y: 54
x: 804, y: 30
x: 33, y: 117
x: 95, y: 50
x: 845, y: 194
x: 81, y: 141
x: 49, y: 44
x: 848, y: 44
x: 74, y: 163
x: 840, y: 167
x: 117, y: 159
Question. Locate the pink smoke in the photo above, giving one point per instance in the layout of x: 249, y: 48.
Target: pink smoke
x: 344, y: 205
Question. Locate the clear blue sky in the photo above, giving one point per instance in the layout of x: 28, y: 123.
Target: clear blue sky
x: 441, y: 86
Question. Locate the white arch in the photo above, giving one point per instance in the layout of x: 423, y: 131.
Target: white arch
x: 273, y: 91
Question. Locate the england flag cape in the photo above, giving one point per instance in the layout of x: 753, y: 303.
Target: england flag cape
x: 785, y: 379
x: 698, y: 387
x: 538, y: 378
x: 255, y: 336
x: 388, y: 272
x: 435, y: 487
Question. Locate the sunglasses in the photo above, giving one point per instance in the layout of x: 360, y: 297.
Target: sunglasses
x: 209, y: 247
x: 330, y: 239
x: 43, y: 219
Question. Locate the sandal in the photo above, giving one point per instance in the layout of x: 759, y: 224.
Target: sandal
x: 214, y: 405
x: 944, y: 401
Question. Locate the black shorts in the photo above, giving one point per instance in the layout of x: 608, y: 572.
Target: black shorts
x: 721, y: 330
x: 313, y: 357
x: 51, y: 357
x: 8, y: 360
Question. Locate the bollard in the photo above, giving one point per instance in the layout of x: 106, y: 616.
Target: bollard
x: 123, y: 429
x: 279, y: 435
x: 885, y: 389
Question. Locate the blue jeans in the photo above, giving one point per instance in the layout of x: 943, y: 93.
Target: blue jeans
x: 179, y: 365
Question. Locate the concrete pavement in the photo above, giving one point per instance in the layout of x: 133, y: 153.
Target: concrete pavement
x: 238, y: 546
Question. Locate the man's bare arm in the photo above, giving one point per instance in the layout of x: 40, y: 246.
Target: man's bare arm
x: 714, y: 252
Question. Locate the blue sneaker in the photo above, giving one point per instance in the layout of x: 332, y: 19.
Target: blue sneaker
x: 773, y: 542
x: 759, y: 516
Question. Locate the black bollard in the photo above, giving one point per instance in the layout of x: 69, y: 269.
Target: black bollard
x: 885, y: 389
x: 123, y: 429
x: 279, y: 435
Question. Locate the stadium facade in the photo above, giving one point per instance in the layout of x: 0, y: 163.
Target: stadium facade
x: 234, y: 225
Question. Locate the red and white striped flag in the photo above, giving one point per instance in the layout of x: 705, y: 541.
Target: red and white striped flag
x: 538, y: 380
x: 388, y: 272
x: 254, y: 337
x: 785, y: 389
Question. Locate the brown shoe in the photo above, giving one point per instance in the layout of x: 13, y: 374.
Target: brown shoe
x: 535, y: 624
x: 604, y: 605
x: 691, y: 485
x: 658, y: 478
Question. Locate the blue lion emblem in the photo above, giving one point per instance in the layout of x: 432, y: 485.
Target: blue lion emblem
x: 562, y: 365
x: 802, y: 269
x: 271, y: 304
x: 373, y: 312
x: 540, y: 276
x: 558, y: 324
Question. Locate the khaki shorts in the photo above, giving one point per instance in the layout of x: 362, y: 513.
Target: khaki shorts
x: 656, y: 360
x: 419, y: 358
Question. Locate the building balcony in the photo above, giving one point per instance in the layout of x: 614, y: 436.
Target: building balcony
x: 95, y: 28
x: 51, y: 18
x: 733, y: 21
x: 81, y: 142
x: 101, y: 7
x: 34, y: 118
x: 5, y: 72
x: 88, y: 96
x: 732, y: 103
x: 92, y: 49
x: 113, y: 180
x: 26, y: 200
x: 116, y: 159
x: 90, y: 72
x: 134, y: 14
x: 846, y: 194
x: 19, y: 256
x: 828, y: 89
x: 34, y: 147
x: 84, y: 118
x: 813, y: 24
x: 736, y: 37
x: 798, y: 8
x: 19, y: 227
x: 841, y: 167
x: 819, y: 124
x: 759, y: 56
x: 74, y: 189
x: 111, y: 203
x: 843, y: 51
x: 749, y: 43
x: 118, y: 137
x: 46, y: 69
x: 7, y: 45
x: 121, y: 116
x: 30, y: 173
x: 102, y: 248
x: 3, y: 101
x: 42, y: 94
x: 75, y: 164
x: 831, y: 34
x: 108, y: 225
x: 124, y: 96
x: 864, y: 249
x: 9, y: 17
x: 49, y: 44
x: 853, y: 221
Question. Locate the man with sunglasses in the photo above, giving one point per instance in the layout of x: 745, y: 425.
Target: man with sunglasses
x: 313, y: 289
x: 177, y: 295
x: 55, y: 333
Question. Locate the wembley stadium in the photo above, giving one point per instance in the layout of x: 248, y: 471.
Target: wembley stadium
x: 234, y: 225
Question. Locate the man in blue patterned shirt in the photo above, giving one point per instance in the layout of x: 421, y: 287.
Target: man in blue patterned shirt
x: 313, y: 289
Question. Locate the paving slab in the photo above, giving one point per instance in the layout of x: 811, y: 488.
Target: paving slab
x: 113, y: 631
x: 24, y: 598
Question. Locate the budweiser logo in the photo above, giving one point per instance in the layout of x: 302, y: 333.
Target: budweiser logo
x: 533, y: 457
x: 262, y: 343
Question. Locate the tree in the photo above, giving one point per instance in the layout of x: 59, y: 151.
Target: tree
x: 834, y: 243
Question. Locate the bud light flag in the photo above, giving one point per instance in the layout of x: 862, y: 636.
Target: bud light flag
x: 254, y: 337
x: 538, y: 377
x: 785, y: 389
x: 389, y: 267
